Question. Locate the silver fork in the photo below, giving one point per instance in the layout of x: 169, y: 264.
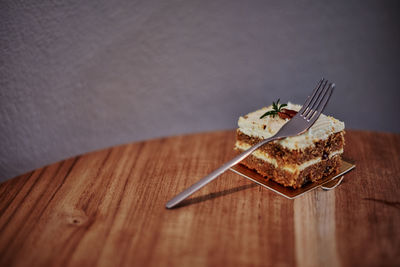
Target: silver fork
x: 301, y: 122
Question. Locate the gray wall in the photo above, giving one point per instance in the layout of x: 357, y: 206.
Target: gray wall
x: 82, y: 75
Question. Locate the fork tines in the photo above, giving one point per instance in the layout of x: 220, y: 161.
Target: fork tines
x: 317, y: 101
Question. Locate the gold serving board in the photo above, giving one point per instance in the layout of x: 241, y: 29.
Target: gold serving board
x: 287, y: 192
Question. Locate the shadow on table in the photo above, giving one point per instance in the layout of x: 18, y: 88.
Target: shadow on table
x: 209, y: 196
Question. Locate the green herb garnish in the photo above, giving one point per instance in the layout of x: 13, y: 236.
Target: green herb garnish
x: 276, y: 108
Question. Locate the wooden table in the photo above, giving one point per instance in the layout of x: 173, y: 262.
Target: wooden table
x: 107, y: 208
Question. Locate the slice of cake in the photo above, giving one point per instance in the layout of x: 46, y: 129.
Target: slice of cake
x: 291, y: 161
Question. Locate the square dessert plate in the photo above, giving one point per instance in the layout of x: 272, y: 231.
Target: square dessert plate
x: 287, y: 192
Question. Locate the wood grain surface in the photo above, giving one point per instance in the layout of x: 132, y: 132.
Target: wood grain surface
x: 107, y: 208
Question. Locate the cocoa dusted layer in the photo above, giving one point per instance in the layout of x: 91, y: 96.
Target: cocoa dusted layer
x: 283, y: 155
x: 312, y: 173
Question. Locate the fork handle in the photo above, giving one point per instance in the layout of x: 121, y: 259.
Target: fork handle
x: 184, y: 194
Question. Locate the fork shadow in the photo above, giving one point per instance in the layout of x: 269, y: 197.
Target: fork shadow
x: 213, y: 195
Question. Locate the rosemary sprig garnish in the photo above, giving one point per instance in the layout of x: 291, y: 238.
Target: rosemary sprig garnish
x: 276, y: 108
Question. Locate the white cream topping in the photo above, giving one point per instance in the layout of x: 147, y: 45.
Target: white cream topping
x: 252, y: 125
x: 293, y: 168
